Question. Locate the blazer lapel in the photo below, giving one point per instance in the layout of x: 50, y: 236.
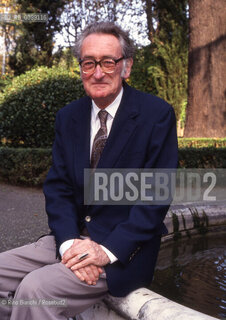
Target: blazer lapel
x: 82, y: 138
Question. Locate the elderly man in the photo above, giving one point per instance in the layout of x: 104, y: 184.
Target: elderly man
x: 94, y: 249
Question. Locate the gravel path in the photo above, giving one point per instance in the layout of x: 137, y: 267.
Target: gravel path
x: 22, y: 214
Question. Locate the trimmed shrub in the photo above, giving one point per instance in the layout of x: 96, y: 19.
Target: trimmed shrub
x: 5, y: 80
x: 24, y: 166
x: 202, y: 142
x: 27, y: 166
x: 202, y: 157
x: 28, y: 105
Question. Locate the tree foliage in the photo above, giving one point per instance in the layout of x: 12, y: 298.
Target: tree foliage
x: 78, y: 13
x: 161, y: 68
x: 169, y: 71
x: 35, y: 40
x: 7, y: 33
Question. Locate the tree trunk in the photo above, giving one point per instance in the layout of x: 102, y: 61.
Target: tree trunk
x: 206, y: 111
x: 149, y: 13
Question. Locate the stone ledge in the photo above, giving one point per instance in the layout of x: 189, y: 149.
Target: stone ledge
x: 207, y: 215
x: 141, y: 304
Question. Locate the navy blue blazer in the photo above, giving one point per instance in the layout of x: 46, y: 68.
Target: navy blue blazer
x: 143, y: 135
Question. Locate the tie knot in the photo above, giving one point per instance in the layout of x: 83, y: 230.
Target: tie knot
x: 103, y: 117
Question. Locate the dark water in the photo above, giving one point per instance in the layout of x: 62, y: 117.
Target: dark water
x: 192, y: 272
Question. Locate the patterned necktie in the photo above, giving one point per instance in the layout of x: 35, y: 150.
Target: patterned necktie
x: 100, y: 139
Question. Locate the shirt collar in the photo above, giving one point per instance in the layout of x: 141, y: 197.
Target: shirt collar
x: 111, y: 109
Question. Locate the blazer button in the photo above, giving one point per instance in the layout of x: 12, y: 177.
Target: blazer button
x: 88, y: 218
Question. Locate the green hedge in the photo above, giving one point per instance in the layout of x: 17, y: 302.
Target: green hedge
x: 29, y: 103
x: 202, y: 157
x: 24, y: 166
x: 202, y: 142
x: 29, y: 167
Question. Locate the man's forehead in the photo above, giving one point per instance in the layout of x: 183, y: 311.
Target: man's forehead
x: 100, y: 43
x: 101, y: 35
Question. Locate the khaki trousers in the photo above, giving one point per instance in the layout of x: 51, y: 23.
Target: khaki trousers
x: 35, y: 285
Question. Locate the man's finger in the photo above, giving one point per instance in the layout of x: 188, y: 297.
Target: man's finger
x: 82, y: 262
x: 76, y: 265
x: 78, y: 248
x: 86, y: 274
x: 95, y: 271
x: 100, y: 270
x: 83, y: 256
x: 79, y: 275
x: 92, y: 273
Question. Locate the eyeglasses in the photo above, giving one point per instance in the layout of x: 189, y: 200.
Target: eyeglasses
x: 107, y: 65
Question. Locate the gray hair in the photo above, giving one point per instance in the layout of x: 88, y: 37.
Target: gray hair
x: 127, y: 45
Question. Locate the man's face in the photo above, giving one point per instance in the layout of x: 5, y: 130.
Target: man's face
x: 102, y: 87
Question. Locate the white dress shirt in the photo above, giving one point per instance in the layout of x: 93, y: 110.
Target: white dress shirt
x: 94, y: 127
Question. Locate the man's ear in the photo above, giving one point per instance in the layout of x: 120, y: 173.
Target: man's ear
x: 127, y: 68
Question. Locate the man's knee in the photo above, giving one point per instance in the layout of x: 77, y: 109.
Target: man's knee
x: 4, y: 266
x: 32, y: 286
x: 3, y: 259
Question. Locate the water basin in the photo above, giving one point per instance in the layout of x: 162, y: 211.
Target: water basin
x: 192, y: 272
